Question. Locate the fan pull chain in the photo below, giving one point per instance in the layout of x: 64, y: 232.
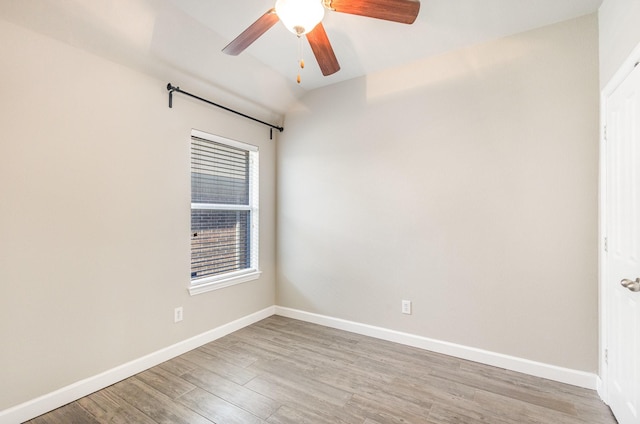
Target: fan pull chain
x: 301, y: 59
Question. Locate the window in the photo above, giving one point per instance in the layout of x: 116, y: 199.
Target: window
x: 224, y: 212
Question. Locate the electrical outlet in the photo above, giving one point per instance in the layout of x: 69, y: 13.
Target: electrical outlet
x: 177, y: 314
x: 406, y: 307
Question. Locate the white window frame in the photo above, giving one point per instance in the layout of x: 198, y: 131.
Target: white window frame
x: 215, y: 282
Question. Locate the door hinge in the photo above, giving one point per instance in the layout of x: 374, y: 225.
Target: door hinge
x: 605, y: 133
x: 606, y: 244
x: 606, y: 356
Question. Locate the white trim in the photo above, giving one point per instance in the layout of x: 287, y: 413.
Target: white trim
x: 601, y: 390
x: 627, y: 66
x: 621, y: 74
x: 230, y: 279
x: 220, y: 207
x: 224, y: 140
x: 537, y: 369
x: 53, y: 400
x: 227, y: 279
x: 602, y: 263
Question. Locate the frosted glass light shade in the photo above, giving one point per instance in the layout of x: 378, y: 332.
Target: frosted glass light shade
x: 300, y: 16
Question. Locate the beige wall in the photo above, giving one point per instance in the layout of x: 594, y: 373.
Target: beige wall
x: 466, y: 183
x: 619, y: 22
x: 94, y: 216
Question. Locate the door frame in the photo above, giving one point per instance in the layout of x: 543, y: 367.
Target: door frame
x: 603, y: 288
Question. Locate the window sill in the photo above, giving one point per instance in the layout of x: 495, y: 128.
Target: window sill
x: 220, y: 283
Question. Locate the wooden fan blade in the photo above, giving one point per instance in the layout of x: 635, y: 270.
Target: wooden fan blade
x: 252, y: 33
x: 323, y: 51
x: 403, y: 11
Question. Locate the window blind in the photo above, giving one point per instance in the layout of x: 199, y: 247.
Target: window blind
x: 220, y: 242
x: 219, y: 173
x: 220, y: 209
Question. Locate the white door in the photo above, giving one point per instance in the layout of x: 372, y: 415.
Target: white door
x: 622, y: 268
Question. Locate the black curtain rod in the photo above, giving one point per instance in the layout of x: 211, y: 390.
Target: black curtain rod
x: 171, y: 89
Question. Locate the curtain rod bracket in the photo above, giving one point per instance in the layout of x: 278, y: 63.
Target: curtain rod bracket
x: 172, y: 88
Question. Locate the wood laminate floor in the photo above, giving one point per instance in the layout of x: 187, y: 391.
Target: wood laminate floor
x: 284, y: 371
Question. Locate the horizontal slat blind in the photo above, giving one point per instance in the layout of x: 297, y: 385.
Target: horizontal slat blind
x: 220, y: 235
x: 219, y: 173
x: 220, y: 242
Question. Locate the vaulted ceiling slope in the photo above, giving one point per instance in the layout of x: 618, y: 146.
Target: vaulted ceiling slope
x: 181, y: 40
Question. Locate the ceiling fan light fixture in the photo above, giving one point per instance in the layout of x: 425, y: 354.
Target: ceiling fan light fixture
x: 300, y: 16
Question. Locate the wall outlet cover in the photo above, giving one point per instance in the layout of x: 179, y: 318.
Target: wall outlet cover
x: 177, y: 314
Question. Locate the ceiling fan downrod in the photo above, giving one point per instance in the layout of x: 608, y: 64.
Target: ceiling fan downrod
x: 327, y: 4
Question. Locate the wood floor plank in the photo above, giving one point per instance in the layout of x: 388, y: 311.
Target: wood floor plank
x: 526, y: 411
x: 296, y: 400
x: 529, y: 382
x: 464, y: 411
x: 309, y: 334
x: 364, y: 383
x: 289, y: 415
x: 71, y: 413
x: 284, y: 371
x: 588, y: 405
x: 295, y: 386
x: 595, y: 411
x: 259, y: 405
x: 165, y: 382
x: 508, y: 389
x: 177, y: 366
x: 389, y: 408
x: 107, y: 408
x: 217, y: 410
x: 161, y: 408
x: 267, y: 342
x: 239, y: 358
x: 260, y: 350
x: 308, y: 352
x: 349, y: 378
x: 222, y: 367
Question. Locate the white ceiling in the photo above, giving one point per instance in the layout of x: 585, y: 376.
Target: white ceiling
x: 183, y: 38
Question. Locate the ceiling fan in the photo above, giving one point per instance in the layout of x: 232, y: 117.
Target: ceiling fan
x: 304, y: 17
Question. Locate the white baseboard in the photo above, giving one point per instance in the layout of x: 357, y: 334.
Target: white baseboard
x: 525, y: 366
x: 53, y: 400
x: 602, y: 391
